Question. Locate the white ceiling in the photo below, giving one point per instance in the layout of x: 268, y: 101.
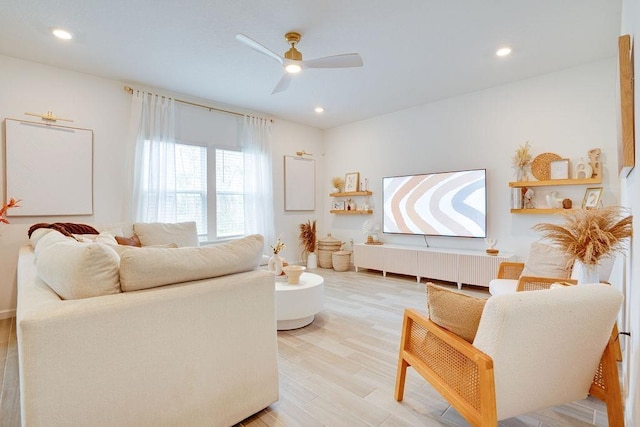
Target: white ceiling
x: 414, y: 51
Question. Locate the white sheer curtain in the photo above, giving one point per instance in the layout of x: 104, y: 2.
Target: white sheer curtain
x: 154, y: 167
x: 258, y: 181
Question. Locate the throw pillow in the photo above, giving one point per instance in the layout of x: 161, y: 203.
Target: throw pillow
x: 150, y: 267
x: 77, y: 270
x: 547, y: 261
x: 182, y: 234
x: 129, y: 241
x: 120, y: 249
x: 454, y: 311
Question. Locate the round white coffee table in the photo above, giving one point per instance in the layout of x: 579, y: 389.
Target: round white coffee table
x: 296, y: 305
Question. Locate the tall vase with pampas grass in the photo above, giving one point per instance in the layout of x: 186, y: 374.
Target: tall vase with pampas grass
x: 308, y: 243
x: 588, y: 236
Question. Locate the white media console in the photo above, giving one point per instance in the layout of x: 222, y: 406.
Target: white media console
x: 452, y: 265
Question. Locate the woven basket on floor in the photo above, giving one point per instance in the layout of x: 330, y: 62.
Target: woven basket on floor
x: 341, y: 260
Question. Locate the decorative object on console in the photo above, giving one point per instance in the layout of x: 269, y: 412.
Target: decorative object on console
x: 589, y: 235
x: 307, y: 238
x: 522, y: 160
x: 541, y: 165
x: 293, y: 273
x: 351, y: 182
x: 591, y: 197
x: 338, y: 184
x: 491, y: 242
x: 583, y: 170
x: 559, y: 169
x: 595, y: 163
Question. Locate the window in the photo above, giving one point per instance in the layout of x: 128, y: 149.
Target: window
x: 191, y: 185
x: 225, y: 175
x: 229, y: 193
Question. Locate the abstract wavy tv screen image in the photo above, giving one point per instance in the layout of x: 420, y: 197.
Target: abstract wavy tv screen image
x: 436, y: 204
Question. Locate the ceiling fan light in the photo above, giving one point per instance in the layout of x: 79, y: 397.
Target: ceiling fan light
x: 293, y: 68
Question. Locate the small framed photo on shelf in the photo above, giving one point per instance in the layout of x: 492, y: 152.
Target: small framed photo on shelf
x: 351, y: 182
x: 337, y: 206
x: 591, y: 197
x: 559, y: 169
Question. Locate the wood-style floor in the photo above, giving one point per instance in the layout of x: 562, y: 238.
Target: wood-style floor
x: 340, y: 370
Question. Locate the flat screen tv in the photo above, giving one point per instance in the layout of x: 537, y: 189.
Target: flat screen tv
x: 436, y: 204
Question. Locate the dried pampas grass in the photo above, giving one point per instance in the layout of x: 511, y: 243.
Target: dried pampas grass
x: 590, y: 234
x: 308, y: 238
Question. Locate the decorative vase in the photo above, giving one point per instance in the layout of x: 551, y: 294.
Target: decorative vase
x: 522, y: 174
x: 585, y: 273
x: 275, y: 264
x: 312, y: 260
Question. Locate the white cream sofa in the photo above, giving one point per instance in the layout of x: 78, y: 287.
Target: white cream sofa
x: 202, y: 352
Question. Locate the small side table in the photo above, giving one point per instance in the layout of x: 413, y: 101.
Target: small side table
x: 296, y: 305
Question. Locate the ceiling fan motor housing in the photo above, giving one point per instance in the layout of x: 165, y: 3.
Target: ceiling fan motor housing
x: 294, y: 54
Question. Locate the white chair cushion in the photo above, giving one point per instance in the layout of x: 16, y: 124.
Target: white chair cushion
x: 503, y: 286
x: 546, y: 345
x: 144, y: 268
x: 182, y: 234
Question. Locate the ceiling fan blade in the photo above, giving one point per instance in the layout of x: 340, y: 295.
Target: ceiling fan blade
x: 257, y: 46
x: 283, y: 84
x: 346, y: 60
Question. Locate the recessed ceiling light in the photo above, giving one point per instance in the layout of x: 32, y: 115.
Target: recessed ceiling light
x: 503, y: 51
x: 319, y: 110
x: 61, y: 34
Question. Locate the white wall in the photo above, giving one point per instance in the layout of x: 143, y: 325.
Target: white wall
x: 103, y: 106
x: 567, y: 113
x: 630, y: 189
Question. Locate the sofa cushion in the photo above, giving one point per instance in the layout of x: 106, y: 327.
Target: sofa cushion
x: 454, y: 311
x: 145, y: 268
x: 156, y: 233
x: 129, y: 241
x: 120, y: 249
x: 42, y: 239
x: 78, y: 270
x: 547, y: 261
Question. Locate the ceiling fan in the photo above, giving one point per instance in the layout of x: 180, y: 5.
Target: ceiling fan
x: 292, y: 59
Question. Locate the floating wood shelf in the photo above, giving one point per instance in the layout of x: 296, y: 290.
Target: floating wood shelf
x: 538, y: 211
x: 550, y: 182
x: 356, y: 212
x: 352, y: 194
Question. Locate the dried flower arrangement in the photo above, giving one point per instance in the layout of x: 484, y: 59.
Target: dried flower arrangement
x: 522, y: 157
x: 337, y: 183
x: 13, y: 203
x: 308, y: 238
x: 588, y: 235
x: 278, y: 247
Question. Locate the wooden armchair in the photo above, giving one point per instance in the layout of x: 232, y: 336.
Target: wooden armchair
x: 532, y: 350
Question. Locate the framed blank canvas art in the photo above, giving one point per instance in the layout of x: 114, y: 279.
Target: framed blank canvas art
x: 299, y: 184
x: 50, y: 168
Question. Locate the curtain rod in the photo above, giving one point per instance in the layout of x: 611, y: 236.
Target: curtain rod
x: 235, y: 113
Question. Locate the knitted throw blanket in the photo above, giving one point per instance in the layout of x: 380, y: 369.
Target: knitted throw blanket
x: 66, y: 228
